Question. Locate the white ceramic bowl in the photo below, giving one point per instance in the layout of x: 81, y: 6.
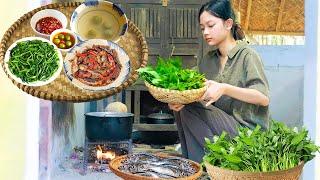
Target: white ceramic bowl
x: 110, y: 13
x: 36, y: 83
x: 47, y: 13
x: 54, y: 33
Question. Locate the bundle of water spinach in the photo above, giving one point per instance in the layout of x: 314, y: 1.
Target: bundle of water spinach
x: 33, y: 60
x: 169, y: 74
x: 277, y: 148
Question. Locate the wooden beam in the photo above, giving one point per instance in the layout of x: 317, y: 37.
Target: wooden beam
x: 280, y: 14
x: 276, y: 33
x: 246, y: 22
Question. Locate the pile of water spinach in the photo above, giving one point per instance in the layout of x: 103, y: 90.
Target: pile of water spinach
x: 169, y: 74
x: 33, y: 61
x: 277, y: 148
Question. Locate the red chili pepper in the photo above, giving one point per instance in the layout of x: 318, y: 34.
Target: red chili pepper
x: 91, y: 60
x: 92, y: 53
x: 110, y: 58
x: 47, y: 25
x: 82, y: 55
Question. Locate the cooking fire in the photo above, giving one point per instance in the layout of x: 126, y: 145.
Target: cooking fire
x: 104, y: 157
x: 103, y: 154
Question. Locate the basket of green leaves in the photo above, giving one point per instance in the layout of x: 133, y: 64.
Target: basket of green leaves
x: 277, y: 153
x: 168, y: 82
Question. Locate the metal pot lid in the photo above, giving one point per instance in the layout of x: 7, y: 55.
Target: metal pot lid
x: 109, y: 114
x: 160, y: 115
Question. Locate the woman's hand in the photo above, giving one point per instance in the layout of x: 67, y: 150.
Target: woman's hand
x: 175, y: 107
x: 214, y: 91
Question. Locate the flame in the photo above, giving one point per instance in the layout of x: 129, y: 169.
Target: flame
x: 99, y: 154
x: 109, y: 155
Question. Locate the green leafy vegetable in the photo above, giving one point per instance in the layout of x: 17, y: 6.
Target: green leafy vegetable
x: 277, y: 148
x: 169, y: 74
x: 33, y: 60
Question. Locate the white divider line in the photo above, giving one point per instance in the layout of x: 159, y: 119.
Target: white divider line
x: 317, y: 139
x: 32, y: 127
x: 32, y: 138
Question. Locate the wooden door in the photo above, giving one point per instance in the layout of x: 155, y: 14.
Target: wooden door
x: 169, y: 30
x: 183, y: 31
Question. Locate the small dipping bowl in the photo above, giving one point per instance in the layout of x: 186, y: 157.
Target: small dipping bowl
x: 47, y: 13
x: 64, y: 39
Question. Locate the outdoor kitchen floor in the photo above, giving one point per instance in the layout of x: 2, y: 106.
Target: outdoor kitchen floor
x: 72, y: 167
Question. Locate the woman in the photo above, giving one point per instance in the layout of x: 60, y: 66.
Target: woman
x: 237, y: 93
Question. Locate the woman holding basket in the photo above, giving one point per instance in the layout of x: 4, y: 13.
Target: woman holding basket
x: 237, y: 89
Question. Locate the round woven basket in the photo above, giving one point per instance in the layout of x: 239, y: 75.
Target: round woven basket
x: 226, y: 174
x: 175, y: 96
x: 116, y: 163
x: 61, y: 89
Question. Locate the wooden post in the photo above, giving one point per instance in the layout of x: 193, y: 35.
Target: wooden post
x: 137, y: 106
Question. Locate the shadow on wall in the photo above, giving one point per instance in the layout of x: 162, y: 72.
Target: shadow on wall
x: 286, y: 93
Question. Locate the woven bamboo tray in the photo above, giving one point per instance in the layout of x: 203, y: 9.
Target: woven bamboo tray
x: 175, y: 96
x: 115, y: 164
x: 61, y: 89
x: 217, y: 173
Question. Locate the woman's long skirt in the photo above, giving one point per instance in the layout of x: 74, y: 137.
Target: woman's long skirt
x: 196, y: 121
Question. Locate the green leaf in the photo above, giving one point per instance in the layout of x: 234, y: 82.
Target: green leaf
x: 297, y: 139
x: 155, y: 81
x: 216, y: 148
x: 208, y: 159
x: 233, y: 158
x: 207, y: 140
x: 145, y: 69
x: 248, y: 141
x: 312, y: 147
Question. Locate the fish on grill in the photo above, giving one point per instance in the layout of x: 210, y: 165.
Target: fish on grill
x: 146, y: 164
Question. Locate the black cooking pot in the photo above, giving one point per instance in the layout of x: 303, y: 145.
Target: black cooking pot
x: 160, y: 118
x: 108, y: 126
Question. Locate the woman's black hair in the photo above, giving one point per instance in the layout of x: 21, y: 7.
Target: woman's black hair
x: 223, y: 9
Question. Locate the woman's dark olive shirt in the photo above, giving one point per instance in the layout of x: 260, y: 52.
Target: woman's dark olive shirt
x: 244, y: 68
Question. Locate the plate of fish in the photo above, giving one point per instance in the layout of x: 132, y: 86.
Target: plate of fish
x: 97, y: 65
x: 147, y: 166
